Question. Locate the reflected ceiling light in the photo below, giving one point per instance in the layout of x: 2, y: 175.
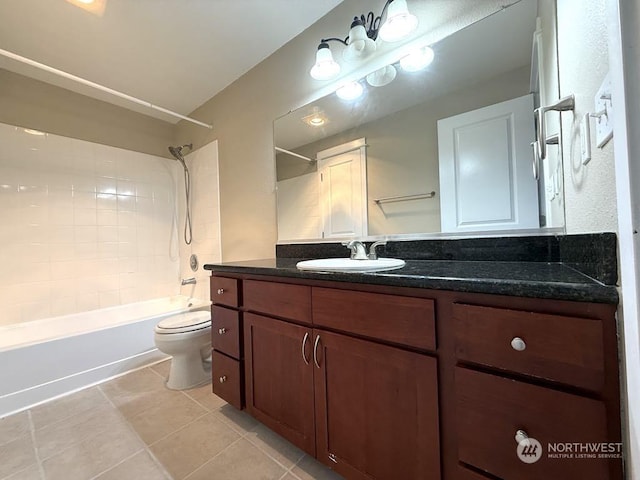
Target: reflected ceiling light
x: 399, y: 23
x: 316, y: 119
x: 350, y: 91
x: 417, y: 60
x: 96, y: 7
x: 360, y: 43
x: 31, y: 131
x: 381, y: 77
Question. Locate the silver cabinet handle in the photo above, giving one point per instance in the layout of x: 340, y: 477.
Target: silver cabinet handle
x: 315, y: 351
x: 304, y: 344
x: 521, y: 436
x: 222, y: 331
x: 220, y: 291
x: 518, y: 344
x: 223, y: 379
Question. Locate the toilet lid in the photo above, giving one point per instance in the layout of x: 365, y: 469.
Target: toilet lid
x: 184, y: 322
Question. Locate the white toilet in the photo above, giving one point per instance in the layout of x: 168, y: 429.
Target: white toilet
x: 187, y: 338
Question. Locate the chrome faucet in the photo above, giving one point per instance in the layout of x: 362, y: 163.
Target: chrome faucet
x: 373, y: 255
x: 189, y: 281
x: 358, y: 250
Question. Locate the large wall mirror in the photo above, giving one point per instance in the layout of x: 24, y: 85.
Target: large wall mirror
x: 439, y: 152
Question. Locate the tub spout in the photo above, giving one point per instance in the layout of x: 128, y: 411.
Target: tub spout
x: 189, y: 281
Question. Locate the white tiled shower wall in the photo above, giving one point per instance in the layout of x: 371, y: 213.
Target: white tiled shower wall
x: 83, y: 226
x: 205, y: 218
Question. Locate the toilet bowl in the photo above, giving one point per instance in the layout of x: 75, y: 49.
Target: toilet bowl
x: 187, y: 338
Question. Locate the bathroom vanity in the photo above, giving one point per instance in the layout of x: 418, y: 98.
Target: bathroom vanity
x: 435, y: 370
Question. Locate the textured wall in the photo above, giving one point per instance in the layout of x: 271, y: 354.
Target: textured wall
x: 243, y: 113
x: 33, y: 104
x: 590, y: 191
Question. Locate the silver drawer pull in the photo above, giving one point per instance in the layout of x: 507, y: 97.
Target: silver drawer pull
x: 315, y: 351
x: 220, y: 291
x: 223, y: 378
x: 222, y: 331
x: 518, y: 344
x: 522, y: 436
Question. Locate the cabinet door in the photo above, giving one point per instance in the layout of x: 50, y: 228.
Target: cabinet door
x: 279, y: 378
x: 376, y: 410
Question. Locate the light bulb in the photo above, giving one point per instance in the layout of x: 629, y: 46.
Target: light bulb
x: 325, y: 67
x: 350, y: 91
x: 399, y: 22
x: 360, y: 45
x: 417, y: 60
x: 382, y: 76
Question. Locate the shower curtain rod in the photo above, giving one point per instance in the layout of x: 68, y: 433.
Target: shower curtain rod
x: 289, y: 152
x: 97, y: 86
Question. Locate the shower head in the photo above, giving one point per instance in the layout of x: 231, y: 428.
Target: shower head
x: 177, y: 151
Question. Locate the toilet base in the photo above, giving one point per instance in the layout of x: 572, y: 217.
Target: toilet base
x: 188, y: 371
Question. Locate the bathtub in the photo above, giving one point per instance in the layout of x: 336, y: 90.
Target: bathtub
x: 47, y: 358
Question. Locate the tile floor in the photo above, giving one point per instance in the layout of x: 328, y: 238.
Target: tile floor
x: 134, y: 428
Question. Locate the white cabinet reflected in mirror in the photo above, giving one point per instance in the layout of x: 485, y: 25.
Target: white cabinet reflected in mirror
x: 442, y: 151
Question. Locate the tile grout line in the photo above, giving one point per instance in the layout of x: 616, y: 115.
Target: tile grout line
x: 215, y: 456
x: 145, y: 446
x: 271, y: 456
x: 32, y: 431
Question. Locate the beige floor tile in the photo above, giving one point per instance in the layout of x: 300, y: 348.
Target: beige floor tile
x: 136, y: 392
x: 310, y: 469
x: 160, y: 420
x: 240, y: 421
x: 29, y: 473
x: 205, y: 397
x: 241, y: 461
x: 13, y: 427
x: 68, y: 406
x: 275, y: 446
x: 187, y: 449
x: 16, y: 455
x: 93, y: 456
x: 139, y: 467
x: 58, y: 436
x: 162, y: 368
x: 289, y: 476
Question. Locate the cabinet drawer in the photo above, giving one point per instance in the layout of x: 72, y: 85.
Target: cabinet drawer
x: 564, y: 349
x: 225, y: 331
x: 279, y: 299
x: 227, y: 379
x: 402, y: 320
x: 224, y: 291
x: 491, y: 409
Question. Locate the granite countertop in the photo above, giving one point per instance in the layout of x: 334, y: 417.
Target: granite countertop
x: 524, y: 279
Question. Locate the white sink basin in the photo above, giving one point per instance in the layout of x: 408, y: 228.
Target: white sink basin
x: 349, y: 265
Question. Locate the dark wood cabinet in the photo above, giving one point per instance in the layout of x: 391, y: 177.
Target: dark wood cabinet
x: 279, y: 378
x: 385, y: 383
x: 376, y: 409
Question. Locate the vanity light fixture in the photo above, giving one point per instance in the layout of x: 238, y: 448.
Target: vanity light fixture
x: 360, y: 43
x: 350, y: 91
x: 417, y: 60
x: 383, y: 76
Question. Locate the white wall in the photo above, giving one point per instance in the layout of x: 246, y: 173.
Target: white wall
x: 205, y: 218
x: 590, y: 191
x: 82, y: 226
x: 623, y: 21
